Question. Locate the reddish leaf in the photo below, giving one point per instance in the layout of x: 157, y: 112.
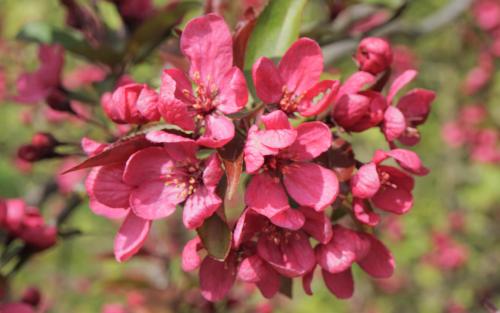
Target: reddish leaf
x: 241, y: 36
x: 216, y: 237
x: 115, y: 153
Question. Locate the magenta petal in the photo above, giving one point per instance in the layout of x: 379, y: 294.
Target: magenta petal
x: 276, y: 200
x: 131, y: 236
x: 350, y: 109
x: 267, y: 81
x: 402, y: 80
x: 301, y: 66
x: 379, y: 262
x: 249, y: 223
x: 394, y: 123
x: 233, y: 92
x: 394, y: 200
x: 16, y: 307
x: 317, y: 225
x: 249, y: 269
x: 106, y: 211
x: 292, y: 257
x: 92, y: 147
x: 254, y: 270
x: 279, y: 133
x: 276, y: 120
x: 325, y: 90
x: 363, y: 213
x: 313, y: 138
x: 306, y: 282
x: 408, y: 160
x: 219, y: 130
x: 200, y: 205
x: 311, y: 185
x: 147, y: 104
x: 213, y: 172
x: 253, y: 154
x: 190, y: 258
x: 147, y: 164
x: 342, y: 251
x: 155, y: 200
x: 207, y: 42
x: 365, y: 183
x: 340, y: 284
x: 175, y: 84
x: 173, y: 104
x: 355, y: 83
x: 217, y: 278
x: 106, y: 185
x: 290, y: 219
x: 416, y: 105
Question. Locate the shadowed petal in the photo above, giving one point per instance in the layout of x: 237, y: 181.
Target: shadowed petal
x: 267, y: 81
x: 340, y: 284
x: 131, y: 236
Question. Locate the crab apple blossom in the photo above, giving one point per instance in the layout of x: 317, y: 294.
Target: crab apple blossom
x: 280, y: 157
x: 294, y: 84
x: 214, y: 88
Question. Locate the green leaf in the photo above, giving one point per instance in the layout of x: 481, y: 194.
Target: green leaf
x: 286, y: 287
x: 155, y: 30
x: 277, y: 28
x: 71, y: 40
x: 216, y: 237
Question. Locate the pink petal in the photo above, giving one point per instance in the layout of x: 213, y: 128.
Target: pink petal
x: 219, y: 130
x: 107, y: 187
x: 416, y: 105
x: 276, y: 200
x: 190, y: 258
x: 155, y: 199
x: 301, y: 66
x: 342, y: 251
x: 147, y: 104
x: 313, y: 138
x: 290, y: 219
x: 267, y: 81
x: 311, y: 185
x: 409, y: 161
x: 350, y: 109
x: 402, y: 80
x: 199, y: 206
x: 340, y: 284
x: 292, y: 258
x: 147, y: 164
x: 355, y: 83
x: 92, y: 147
x: 131, y: 237
x: 325, y: 90
x: 394, y: 123
x: 306, y: 282
x: 317, y: 225
x: 249, y: 223
x: 365, y: 183
x: 179, y: 148
x: 106, y: 211
x: 233, y: 92
x: 213, y: 172
x: 279, y: 132
x: 217, y: 278
x: 173, y: 104
x: 363, y: 213
x: 253, y: 154
x: 207, y: 43
x: 379, y: 262
x: 16, y: 308
x: 254, y: 270
x: 394, y: 200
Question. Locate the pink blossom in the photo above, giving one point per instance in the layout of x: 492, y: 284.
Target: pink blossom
x: 374, y: 55
x: 294, y: 84
x: 280, y: 159
x: 487, y: 14
x: 36, y: 86
x: 150, y: 185
x: 389, y: 188
x: 69, y: 181
x: 346, y: 248
x: 447, y: 254
x: 219, y: 87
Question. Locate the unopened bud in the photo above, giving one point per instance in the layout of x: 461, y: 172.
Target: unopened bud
x: 374, y: 55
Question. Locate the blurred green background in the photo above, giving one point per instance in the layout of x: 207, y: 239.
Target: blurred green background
x: 79, y: 276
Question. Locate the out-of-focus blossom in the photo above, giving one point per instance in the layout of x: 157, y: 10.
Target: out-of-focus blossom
x: 374, y: 55
x: 447, y: 254
x: 487, y: 14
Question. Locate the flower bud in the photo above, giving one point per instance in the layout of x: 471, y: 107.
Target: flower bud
x: 131, y: 104
x: 42, y: 147
x: 31, y: 296
x: 58, y: 101
x: 374, y: 55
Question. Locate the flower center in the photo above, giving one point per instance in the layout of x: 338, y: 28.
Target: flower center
x: 289, y: 101
x: 204, y: 96
x: 186, y: 176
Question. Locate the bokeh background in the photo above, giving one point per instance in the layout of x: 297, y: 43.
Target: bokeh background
x: 447, y: 248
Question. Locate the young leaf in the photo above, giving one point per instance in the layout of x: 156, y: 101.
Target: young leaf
x: 216, y: 237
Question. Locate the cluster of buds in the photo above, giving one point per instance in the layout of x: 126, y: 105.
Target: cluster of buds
x: 24, y: 222
x: 42, y: 147
x: 308, y: 201
x: 30, y: 302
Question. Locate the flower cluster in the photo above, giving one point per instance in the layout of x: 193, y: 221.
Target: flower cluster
x: 308, y: 201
